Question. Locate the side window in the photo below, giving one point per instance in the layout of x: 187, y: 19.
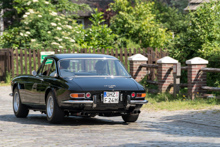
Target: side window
x: 53, y: 70
x: 46, y: 68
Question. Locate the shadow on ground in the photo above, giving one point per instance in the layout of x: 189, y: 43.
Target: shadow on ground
x: 170, y: 144
x: 71, y: 120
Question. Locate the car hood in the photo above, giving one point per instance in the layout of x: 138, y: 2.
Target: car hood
x: 96, y: 84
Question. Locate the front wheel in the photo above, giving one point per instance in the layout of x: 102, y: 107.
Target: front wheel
x: 20, y: 110
x: 130, y: 117
x: 54, y: 113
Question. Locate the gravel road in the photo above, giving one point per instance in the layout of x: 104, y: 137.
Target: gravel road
x: 176, y: 128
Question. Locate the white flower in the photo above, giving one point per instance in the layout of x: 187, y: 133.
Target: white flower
x: 31, y: 10
x: 33, y: 40
x: 59, y: 28
x: 53, y: 24
x: 77, y: 32
x: 49, y: 32
x: 213, y: 8
x: 21, y: 34
x: 60, y: 46
x: 46, y: 2
x: 59, y: 23
x: 72, y: 40
x: 54, y: 43
x: 60, y: 39
x: 68, y: 26
x: 53, y: 13
x: 25, y: 35
x: 39, y: 15
x: 28, y: 3
x: 24, y: 16
x: 66, y: 37
x: 57, y: 19
x: 27, y: 13
x: 28, y: 32
x: 86, y: 35
x: 35, y: 1
x: 27, y: 28
x: 26, y: 22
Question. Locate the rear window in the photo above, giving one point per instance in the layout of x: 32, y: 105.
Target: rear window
x: 91, y: 67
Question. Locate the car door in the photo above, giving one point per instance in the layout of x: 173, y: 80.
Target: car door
x: 31, y: 90
x: 31, y: 84
x: 47, y: 76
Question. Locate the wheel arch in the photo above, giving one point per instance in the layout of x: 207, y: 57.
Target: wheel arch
x: 47, y: 92
x: 14, y: 86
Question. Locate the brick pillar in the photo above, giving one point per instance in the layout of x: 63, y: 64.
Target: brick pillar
x: 136, y: 71
x: 165, y: 74
x: 196, y: 78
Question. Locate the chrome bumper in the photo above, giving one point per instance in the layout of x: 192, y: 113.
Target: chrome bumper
x: 94, y: 102
x: 78, y: 102
x: 138, y: 101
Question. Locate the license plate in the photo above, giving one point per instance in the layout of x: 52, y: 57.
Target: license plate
x: 111, y: 97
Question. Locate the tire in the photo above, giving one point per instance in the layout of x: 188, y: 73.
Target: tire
x: 130, y: 117
x: 20, y: 110
x: 54, y: 113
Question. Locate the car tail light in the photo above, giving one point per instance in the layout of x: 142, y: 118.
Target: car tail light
x: 141, y: 95
x: 88, y: 95
x: 77, y: 95
x: 132, y: 94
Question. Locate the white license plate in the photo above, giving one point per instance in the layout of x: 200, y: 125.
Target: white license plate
x: 111, y: 97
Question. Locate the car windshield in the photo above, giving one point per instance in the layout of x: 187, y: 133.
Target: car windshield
x: 91, y: 67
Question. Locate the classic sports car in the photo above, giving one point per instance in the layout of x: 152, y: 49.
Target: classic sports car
x: 78, y: 84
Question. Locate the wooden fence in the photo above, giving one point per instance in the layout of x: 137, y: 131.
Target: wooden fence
x: 6, y: 64
x: 23, y: 61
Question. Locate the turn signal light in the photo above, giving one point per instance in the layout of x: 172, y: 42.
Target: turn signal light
x: 77, y: 95
x: 141, y: 95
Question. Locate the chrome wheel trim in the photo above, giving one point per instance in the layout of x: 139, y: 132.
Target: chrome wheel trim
x: 16, y: 102
x: 50, y: 106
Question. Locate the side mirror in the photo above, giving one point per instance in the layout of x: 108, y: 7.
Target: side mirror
x: 34, y: 73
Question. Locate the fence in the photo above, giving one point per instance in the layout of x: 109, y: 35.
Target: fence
x: 23, y: 61
x: 6, y: 64
x: 169, y: 73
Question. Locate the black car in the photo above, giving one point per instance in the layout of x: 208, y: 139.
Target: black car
x: 78, y: 84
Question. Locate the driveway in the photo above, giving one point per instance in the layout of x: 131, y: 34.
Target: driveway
x: 176, y: 128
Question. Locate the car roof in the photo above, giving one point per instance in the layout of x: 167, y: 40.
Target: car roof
x: 76, y: 55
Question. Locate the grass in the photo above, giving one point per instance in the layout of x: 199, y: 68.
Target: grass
x: 4, y: 84
x: 167, y: 102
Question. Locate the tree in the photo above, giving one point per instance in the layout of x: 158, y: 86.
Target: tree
x: 99, y: 35
x: 134, y: 20
x: 43, y: 24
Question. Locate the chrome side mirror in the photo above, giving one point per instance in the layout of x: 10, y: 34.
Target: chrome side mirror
x: 34, y: 73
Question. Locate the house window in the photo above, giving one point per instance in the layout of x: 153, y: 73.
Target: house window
x: 80, y: 21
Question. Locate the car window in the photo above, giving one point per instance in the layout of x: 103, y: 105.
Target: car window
x: 53, y: 70
x: 46, y: 68
x: 91, y: 67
